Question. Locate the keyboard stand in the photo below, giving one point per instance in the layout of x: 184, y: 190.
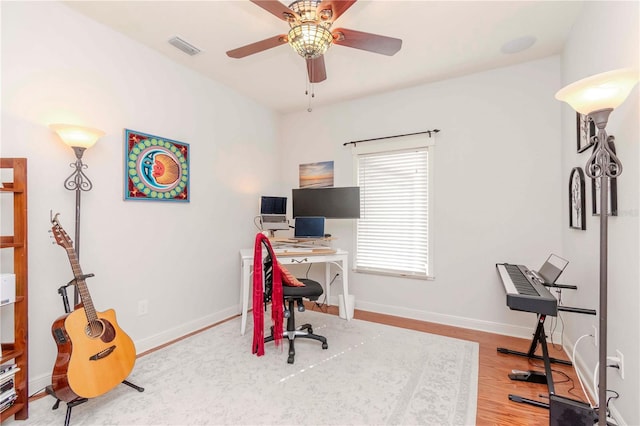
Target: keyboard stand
x: 535, y: 376
x: 540, y: 334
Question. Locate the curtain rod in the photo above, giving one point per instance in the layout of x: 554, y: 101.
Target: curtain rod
x: 390, y: 137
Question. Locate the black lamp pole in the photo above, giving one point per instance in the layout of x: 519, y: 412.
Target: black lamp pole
x: 78, y: 182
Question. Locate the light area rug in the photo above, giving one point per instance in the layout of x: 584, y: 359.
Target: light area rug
x: 370, y: 374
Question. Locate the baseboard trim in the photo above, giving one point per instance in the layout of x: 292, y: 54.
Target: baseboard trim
x: 167, y: 336
x: 524, y: 332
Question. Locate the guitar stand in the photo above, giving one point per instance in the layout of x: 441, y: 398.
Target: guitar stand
x: 62, y: 291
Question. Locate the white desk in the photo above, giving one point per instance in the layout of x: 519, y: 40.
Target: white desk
x: 340, y: 258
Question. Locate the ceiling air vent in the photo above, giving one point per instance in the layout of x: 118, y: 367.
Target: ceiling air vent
x: 187, y: 48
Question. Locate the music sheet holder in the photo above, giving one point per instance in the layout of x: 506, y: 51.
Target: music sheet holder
x: 552, y: 268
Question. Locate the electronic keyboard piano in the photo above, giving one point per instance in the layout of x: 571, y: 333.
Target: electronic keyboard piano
x: 525, y: 292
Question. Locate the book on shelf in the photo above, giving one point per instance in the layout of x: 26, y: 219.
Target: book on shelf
x: 6, y: 385
x: 6, y: 367
x: 7, y: 395
x: 7, y: 399
x: 9, y: 374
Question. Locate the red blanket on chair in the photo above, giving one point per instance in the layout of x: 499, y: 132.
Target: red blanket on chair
x: 258, y: 298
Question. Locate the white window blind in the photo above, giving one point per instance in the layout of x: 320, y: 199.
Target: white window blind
x: 393, y: 229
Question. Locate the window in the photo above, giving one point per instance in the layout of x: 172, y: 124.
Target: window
x: 393, y: 232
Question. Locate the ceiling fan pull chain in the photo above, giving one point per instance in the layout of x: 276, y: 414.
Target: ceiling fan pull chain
x: 310, y: 96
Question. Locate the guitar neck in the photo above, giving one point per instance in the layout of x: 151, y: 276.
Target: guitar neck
x: 81, y: 285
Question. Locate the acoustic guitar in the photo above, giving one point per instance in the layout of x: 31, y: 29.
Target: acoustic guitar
x: 94, y: 354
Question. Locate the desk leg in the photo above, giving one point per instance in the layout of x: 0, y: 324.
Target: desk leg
x: 246, y: 276
x: 343, y: 264
x: 345, y: 285
x: 327, y: 281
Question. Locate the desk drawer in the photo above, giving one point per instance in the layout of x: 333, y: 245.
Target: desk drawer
x: 293, y: 260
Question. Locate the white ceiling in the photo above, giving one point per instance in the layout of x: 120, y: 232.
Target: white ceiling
x: 441, y: 39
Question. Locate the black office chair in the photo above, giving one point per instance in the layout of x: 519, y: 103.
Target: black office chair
x: 312, y: 290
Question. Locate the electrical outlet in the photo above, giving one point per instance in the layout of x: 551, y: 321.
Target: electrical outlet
x: 143, y: 307
x: 621, y: 358
x: 595, y: 336
x: 617, y: 362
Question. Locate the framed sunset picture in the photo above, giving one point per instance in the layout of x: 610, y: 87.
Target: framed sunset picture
x: 156, y: 168
x: 316, y: 175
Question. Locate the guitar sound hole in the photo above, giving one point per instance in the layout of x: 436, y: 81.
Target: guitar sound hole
x: 94, y: 328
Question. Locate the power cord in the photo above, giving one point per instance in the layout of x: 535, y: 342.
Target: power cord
x: 595, y: 386
x: 616, y: 396
x: 257, y: 221
x: 308, y: 269
x: 554, y: 324
x: 324, y: 302
x: 540, y: 366
x: 573, y: 361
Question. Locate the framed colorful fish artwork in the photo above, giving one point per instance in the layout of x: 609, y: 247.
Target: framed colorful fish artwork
x: 156, y: 168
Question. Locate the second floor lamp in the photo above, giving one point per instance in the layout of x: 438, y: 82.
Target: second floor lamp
x: 597, y: 96
x: 79, y: 138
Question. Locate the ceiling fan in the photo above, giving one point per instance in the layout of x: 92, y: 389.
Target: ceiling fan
x: 310, y: 35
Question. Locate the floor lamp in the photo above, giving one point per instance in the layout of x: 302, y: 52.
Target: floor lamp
x: 79, y: 139
x: 597, y: 96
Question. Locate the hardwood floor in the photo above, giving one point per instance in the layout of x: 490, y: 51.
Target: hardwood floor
x: 494, y: 386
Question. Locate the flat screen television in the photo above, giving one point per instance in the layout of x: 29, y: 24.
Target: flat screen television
x: 332, y: 203
x: 273, y: 205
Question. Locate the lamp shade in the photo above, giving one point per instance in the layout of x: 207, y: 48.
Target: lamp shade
x: 601, y: 91
x: 77, y: 136
x: 310, y: 40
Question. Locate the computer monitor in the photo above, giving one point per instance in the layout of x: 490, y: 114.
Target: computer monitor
x: 273, y: 213
x: 332, y: 203
x: 309, y: 227
x: 273, y: 205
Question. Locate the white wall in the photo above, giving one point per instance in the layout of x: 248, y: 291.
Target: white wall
x: 612, y: 43
x: 59, y: 66
x: 498, y: 186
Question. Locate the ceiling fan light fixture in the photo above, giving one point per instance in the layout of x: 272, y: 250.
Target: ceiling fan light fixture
x: 307, y: 10
x: 310, y: 40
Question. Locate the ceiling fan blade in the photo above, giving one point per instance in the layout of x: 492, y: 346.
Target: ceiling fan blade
x: 276, y: 8
x: 316, y: 69
x: 337, y: 7
x: 366, y: 41
x: 258, y: 46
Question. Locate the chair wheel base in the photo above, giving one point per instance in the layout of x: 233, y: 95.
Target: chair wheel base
x: 325, y: 346
x: 290, y: 359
